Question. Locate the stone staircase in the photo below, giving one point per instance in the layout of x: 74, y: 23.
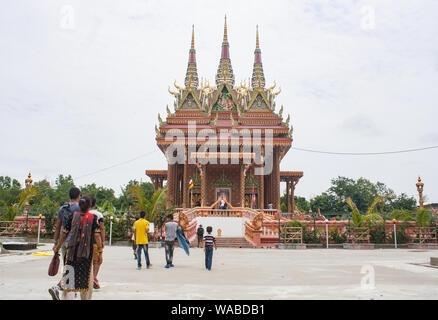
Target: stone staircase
x: 232, y: 242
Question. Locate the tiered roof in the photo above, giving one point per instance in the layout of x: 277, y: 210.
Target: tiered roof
x: 226, y: 106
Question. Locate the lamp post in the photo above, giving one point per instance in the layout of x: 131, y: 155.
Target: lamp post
x: 326, y: 233
x: 420, y: 186
x: 395, y: 232
x: 279, y: 213
x: 111, y: 230
x: 39, y: 227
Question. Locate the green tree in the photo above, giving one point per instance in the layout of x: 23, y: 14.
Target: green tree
x: 101, y: 194
x: 124, y: 200
x: 62, y: 188
x: 404, y: 202
x: 45, y: 193
x: 10, y: 190
x: 327, y: 203
x: 153, y: 207
x: 300, y: 202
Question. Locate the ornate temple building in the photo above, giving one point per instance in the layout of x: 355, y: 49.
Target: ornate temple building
x: 230, y: 111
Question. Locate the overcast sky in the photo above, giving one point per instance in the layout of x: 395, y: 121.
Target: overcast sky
x: 82, y: 82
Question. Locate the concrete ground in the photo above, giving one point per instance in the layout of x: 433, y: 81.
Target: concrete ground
x: 240, y: 274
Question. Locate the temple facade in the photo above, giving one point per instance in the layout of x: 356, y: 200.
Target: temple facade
x: 225, y: 141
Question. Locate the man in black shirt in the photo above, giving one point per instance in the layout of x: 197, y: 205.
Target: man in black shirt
x: 200, y: 233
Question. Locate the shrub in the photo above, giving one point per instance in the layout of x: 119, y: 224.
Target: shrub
x: 402, y: 236
x: 336, y: 237
x: 377, y: 235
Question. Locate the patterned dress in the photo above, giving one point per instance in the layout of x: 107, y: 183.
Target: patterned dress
x: 77, y: 272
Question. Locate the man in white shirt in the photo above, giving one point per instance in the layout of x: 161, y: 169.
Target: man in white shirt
x: 97, y: 258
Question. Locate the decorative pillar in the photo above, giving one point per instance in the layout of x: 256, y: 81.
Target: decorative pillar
x: 288, y: 186
x: 261, y: 191
x: 242, y: 185
x: 292, y: 194
x: 276, y: 180
x: 420, y: 186
x: 170, y: 185
x: 243, y: 169
x: 185, y: 182
x: 203, y: 173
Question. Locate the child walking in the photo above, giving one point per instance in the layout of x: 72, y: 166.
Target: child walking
x: 209, y: 243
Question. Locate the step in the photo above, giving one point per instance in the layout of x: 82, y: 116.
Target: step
x: 229, y: 242
x: 233, y: 242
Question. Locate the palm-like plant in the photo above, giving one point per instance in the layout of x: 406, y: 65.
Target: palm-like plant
x: 370, y: 217
x: 152, y: 207
x: 13, y: 210
x: 357, y: 217
x: 27, y: 195
x: 107, y: 208
x: 423, y: 218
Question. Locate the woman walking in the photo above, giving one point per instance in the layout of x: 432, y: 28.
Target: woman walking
x: 85, y: 232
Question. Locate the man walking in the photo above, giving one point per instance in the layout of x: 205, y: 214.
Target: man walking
x: 141, y: 229
x: 64, y: 214
x: 200, y: 233
x: 170, y: 235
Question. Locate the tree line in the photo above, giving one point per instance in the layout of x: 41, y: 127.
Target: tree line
x: 362, y: 192
x: 139, y: 195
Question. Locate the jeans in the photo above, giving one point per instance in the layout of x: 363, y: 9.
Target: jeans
x: 169, y: 246
x: 208, y: 257
x: 146, y: 254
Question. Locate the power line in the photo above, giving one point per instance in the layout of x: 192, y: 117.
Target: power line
x: 365, y: 153
x: 295, y: 148
x: 117, y: 164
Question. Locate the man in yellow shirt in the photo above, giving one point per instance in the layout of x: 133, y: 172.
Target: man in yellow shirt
x: 141, y: 228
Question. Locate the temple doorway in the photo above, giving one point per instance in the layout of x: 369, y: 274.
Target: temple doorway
x: 223, y: 193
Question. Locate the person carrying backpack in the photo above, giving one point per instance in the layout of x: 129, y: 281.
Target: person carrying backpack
x: 200, y: 233
x: 65, y: 214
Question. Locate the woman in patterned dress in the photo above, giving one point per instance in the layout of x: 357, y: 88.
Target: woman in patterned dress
x: 85, y: 231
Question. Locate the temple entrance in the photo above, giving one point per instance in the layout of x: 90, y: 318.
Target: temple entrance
x: 223, y: 193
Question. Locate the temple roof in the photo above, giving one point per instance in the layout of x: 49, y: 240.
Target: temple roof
x: 225, y: 71
x: 284, y: 175
x: 249, y: 106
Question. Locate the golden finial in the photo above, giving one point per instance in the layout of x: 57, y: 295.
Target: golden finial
x: 29, y: 180
x: 225, y: 30
x: 257, y: 37
x: 193, y: 36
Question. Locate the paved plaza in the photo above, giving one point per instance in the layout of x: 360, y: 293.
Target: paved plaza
x: 240, y: 274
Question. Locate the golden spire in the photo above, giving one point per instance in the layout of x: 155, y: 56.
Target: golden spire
x: 225, y: 30
x: 257, y: 37
x: 193, y: 36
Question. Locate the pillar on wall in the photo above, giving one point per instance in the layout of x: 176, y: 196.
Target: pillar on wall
x: 185, y: 182
x: 276, y: 180
x: 261, y: 191
x: 203, y: 173
x: 287, y: 195
x: 170, y: 185
x: 242, y: 185
x: 292, y: 194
